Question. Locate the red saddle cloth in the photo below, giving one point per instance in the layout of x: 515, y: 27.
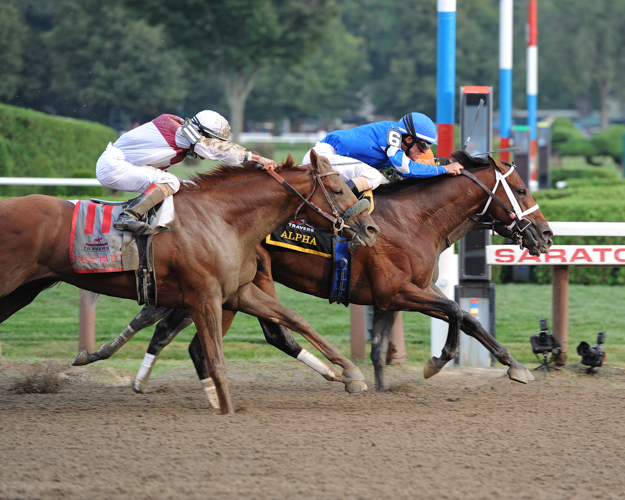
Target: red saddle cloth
x: 95, y: 246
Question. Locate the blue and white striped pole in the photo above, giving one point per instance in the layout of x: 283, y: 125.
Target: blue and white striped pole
x: 446, y: 76
x: 505, y: 74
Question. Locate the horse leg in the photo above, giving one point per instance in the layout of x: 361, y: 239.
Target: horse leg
x: 146, y: 317
x: 21, y: 297
x: 199, y: 360
x: 171, y: 325
x: 380, y: 335
x: 516, y: 371
x: 251, y: 300
x: 207, y: 317
x: 450, y: 350
x: 473, y: 328
x: 279, y: 336
x: 436, y: 305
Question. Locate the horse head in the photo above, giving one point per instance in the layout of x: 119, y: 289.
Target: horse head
x: 356, y: 224
x: 513, y: 206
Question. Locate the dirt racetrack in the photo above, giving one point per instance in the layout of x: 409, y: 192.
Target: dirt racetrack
x: 465, y: 434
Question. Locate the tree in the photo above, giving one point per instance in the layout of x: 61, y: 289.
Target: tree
x: 327, y: 84
x: 235, y: 39
x: 90, y: 58
x: 401, y: 46
x: 12, y: 36
x: 583, y: 48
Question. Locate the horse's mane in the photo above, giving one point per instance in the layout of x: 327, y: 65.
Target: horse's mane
x: 465, y: 159
x: 228, y: 173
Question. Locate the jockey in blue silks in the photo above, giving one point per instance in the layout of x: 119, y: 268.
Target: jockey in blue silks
x: 359, y: 153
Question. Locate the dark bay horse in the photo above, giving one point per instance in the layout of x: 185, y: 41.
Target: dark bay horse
x: 398, y: 274
x: 205, y: 264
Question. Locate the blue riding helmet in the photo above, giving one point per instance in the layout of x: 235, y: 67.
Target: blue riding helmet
x: 418, y: 126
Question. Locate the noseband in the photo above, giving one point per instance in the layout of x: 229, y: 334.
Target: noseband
x: 338, y: 217
x: 519, y: 222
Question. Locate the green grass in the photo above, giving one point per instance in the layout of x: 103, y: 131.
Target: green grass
x: 48, y: 328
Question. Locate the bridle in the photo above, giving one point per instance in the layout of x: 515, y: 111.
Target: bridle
x: 338, y: 217
x: 519, y: 222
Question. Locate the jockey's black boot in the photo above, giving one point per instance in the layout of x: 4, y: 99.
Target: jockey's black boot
x: 128, y: 220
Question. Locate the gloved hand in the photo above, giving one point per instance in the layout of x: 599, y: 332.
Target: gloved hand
x: 441, y: 160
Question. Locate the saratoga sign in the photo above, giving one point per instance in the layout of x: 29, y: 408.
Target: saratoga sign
x: 558, y: 255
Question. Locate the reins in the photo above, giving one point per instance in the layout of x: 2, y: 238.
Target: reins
x: 517, y: 216
x: 337, y: 217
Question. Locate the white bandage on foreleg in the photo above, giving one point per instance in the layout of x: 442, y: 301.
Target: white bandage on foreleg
x: 146, y: 367
x: 211, y: 392
x: 315, y: 363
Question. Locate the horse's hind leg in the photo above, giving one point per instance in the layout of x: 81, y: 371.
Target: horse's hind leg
x: 21, y: 297
x: 146, y: 317
x: 171, y: 325
x: 450, y: 350
x: 251, y: 300
x: 380, y: 335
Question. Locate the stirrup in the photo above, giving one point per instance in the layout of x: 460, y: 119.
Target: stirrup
x: 127, y: 222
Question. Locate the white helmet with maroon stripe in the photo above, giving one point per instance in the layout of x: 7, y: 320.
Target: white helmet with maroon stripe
x: 212, y: 125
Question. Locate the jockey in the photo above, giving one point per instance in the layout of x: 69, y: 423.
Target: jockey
x: 358, y: 154
x: 138, y: 159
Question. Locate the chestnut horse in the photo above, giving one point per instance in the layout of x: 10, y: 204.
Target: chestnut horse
x: 416, y: 218
x: 207, y: 262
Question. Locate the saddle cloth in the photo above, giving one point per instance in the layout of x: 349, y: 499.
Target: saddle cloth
x: 95, y: 246
x: 304, y: 236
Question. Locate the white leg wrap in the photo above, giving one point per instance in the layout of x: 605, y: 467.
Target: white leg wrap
x: 144, y: 370
x: 211, y: 392
x: 315, y: 363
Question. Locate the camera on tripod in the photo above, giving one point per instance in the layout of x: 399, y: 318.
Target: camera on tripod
x: 592, y: 355
x: 544, y: 342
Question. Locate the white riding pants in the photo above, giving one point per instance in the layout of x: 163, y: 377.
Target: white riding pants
x: 115, y: 172
x: 349, y: 168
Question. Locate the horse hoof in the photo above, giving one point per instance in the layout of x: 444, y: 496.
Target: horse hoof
x: 140, y: 386
x: 431, y: 368
x: 530, y: 377
x: 353, y: 374
x: 518, y: 375
x: 356, y: 386
x: 81, y: 359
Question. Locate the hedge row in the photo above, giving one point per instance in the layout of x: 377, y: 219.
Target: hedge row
x: 34, y: 144
x: 568, y: 140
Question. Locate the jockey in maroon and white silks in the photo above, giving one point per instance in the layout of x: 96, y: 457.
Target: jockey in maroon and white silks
x: 138, y: 159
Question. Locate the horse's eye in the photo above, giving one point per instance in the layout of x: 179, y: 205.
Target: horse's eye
x: 521, y: 192
x: 339, y: 192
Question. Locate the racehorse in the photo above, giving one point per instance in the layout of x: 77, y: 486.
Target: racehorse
x: 419, y: 219
x: 207, y: 262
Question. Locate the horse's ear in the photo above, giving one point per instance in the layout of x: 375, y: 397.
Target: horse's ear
x: 320, y: 163
x: 290, y: 161
x: 495, y: 164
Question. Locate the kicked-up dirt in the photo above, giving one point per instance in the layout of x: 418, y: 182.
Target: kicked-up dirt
x: 464, y: 434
